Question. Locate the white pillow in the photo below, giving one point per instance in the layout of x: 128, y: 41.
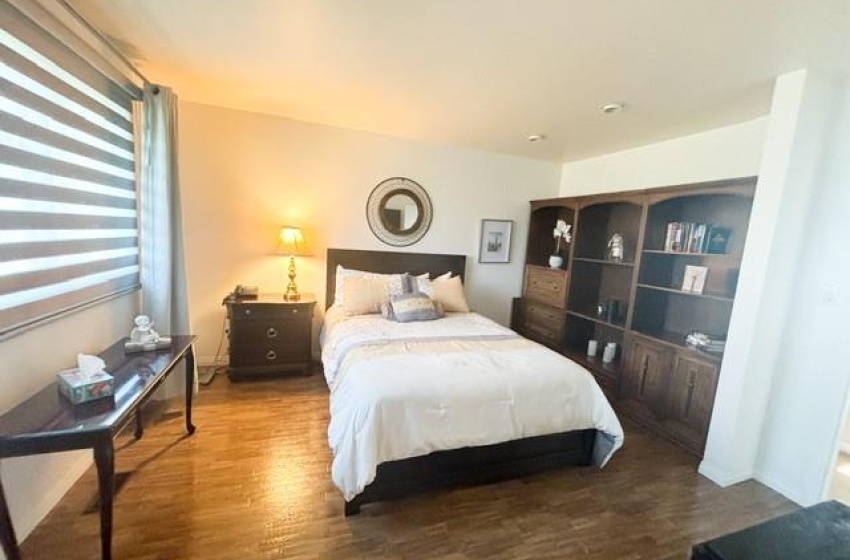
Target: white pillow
x: 396, y: 283
x: 450, y: 294
x: 423, y: 283
x: 364, y: 295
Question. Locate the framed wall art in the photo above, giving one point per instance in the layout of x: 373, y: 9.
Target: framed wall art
x: 495, y: 243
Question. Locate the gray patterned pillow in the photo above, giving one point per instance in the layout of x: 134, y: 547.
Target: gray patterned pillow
x: 414, y: 306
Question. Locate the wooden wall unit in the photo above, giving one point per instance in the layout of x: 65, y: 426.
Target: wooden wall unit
x: 655, y: 378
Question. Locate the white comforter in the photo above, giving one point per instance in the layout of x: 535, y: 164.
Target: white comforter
x: 401, y: 390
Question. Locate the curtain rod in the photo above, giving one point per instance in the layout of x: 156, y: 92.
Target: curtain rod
x: 103, y: 39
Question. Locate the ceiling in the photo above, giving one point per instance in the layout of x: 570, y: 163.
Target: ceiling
x: 484, y: 73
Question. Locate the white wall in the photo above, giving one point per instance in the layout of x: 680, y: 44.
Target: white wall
x: 244, y: 175
x: 28, y: 363
x: 722, y: 153
x: 766, y: 285
x: 812, y: 372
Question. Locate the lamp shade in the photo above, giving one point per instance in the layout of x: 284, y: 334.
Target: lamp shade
x: 290, y: 242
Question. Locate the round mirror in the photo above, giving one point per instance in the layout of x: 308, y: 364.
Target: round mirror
x: 399, y: 211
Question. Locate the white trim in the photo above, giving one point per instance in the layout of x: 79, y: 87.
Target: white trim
x: 207, y: 361
x: 792, y: 494
x: 720, y: 476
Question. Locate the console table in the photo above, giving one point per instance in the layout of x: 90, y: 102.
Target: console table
x: 47, y: 423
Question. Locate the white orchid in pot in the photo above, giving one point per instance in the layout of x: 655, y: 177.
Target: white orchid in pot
x: 560, y: 233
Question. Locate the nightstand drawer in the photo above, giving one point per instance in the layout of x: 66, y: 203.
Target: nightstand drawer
x: 270, y: 335
x: 546, y: 285
x: 266, y: 311
x: 253, y: 354
x: 278, y: 334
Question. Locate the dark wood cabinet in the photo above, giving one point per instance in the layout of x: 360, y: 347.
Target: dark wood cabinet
x: 269, y: 335
x: 644, y: 381
x: 544, y: 297
x: 641, y: 300
x: 692, y: 383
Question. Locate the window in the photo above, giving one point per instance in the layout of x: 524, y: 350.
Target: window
x: 68, y: 209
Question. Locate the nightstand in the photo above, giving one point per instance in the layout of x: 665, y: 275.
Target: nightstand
x: 269, y: 335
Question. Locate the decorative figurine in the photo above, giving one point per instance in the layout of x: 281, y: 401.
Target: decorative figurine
x: 144, y: 338
x: 143, y: 331
x: 615, y: 247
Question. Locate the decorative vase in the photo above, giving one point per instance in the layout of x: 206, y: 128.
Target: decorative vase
x: 555, y: 261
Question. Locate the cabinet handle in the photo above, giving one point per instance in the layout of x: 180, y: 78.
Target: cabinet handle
x: 271, y: 355
x: 690, y: 398
x: 247, y: 312
x: 271, y: 332
x: 643, y: 370
x: 295, y: 310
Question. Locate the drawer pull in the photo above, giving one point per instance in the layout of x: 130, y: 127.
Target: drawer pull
x: 271, y: 332
x: 271, y: 355
x: 295, y: 310
x: 247, y: 312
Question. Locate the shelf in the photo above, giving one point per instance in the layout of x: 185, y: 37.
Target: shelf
x: 715, y: 297
x: 677, y: 340
x: 603, y: 261
x: 595, y: 363
x: 596, y: 320
x: 694, y: 255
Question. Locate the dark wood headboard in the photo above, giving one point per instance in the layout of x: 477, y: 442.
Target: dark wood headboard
x: 389, y: 262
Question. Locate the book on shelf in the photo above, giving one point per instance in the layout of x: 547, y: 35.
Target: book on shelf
x: 689, y: 237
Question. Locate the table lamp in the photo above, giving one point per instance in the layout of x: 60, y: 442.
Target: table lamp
x: 291, y: 243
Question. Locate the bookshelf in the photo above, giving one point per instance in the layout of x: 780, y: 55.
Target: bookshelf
x: 682, y: 251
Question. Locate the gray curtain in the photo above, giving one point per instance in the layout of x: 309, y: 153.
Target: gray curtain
x: 165, y: 295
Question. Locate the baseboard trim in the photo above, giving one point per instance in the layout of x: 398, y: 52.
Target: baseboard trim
x: 207, y: 361
x: 792, y: 494
x: 29, y: 519
x: 721, y: 477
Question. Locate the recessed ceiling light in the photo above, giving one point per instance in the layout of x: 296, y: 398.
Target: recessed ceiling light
x: 613, y: 107
x: 535, y: 137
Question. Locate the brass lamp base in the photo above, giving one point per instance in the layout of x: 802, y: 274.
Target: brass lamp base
x: 291, y: 289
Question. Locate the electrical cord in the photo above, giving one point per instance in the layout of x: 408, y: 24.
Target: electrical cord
x: 216, y: 366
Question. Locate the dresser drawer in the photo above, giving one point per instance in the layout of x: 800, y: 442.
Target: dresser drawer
x: 544, y: 316
x: 546, y: 285
x: 543, y: 323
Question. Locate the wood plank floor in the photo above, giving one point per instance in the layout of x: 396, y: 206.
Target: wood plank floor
x: 253, y: 483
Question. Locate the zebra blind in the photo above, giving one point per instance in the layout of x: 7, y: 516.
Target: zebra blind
x: 68, y: 223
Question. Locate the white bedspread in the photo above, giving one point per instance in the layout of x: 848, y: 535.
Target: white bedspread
x: 401, y: 390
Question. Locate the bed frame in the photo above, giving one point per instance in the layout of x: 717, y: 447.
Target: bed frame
x: 470, y: 465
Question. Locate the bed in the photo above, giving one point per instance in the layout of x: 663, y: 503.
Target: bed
x: 456, y: 401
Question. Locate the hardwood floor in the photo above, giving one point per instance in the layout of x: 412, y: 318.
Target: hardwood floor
x: 253, y: 482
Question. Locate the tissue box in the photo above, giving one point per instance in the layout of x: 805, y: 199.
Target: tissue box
x: 79, y: 389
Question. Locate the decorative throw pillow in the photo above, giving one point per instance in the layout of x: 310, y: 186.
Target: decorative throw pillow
x: 411, y: 307
x: 364, y: 295
x: 397, y: 283
x: 450, y: 294
x: 387, y: 311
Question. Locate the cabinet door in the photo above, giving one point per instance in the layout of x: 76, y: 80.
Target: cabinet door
x: 644, y: 376
x: 692, y: 388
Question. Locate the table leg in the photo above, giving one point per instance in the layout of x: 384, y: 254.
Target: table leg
x: 190, y: 388
x: 104, y: 458
x: 7, y: 531
x: 140, y: 428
